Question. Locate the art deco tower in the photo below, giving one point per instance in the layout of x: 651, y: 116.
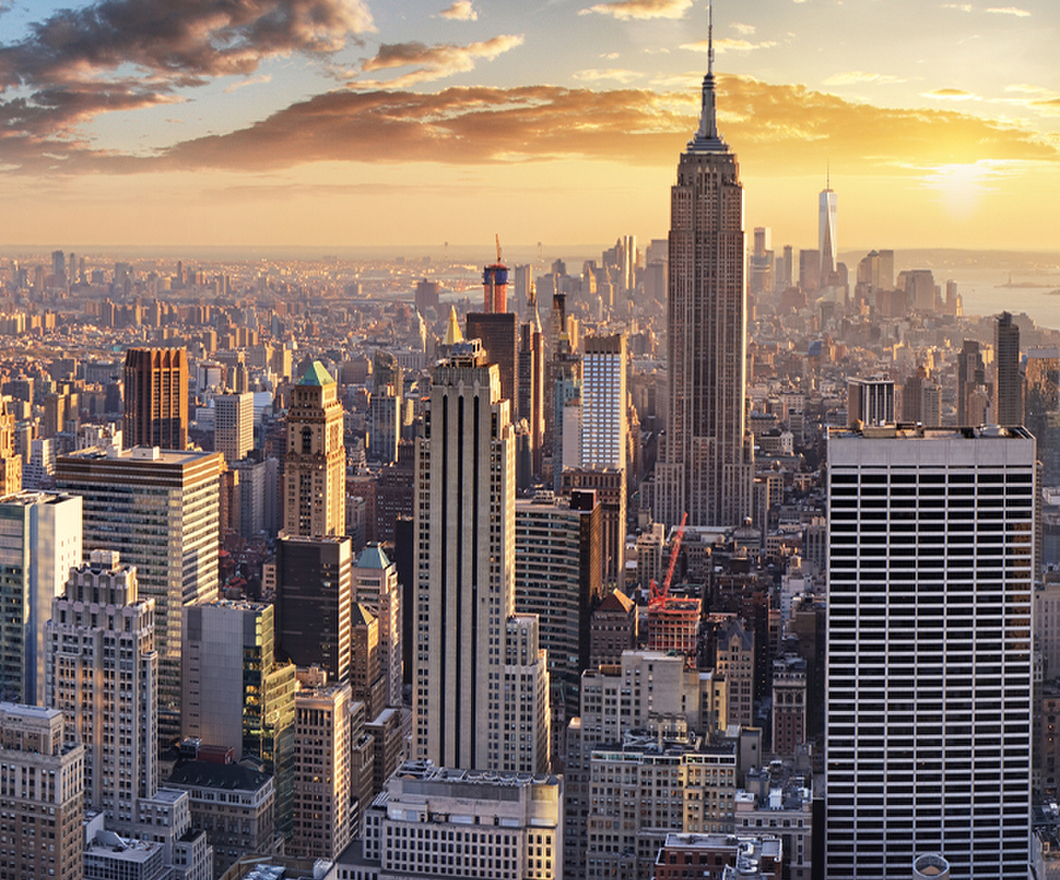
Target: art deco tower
x: 315, y: 467
x: 156, y: 397
x: 706, y: 468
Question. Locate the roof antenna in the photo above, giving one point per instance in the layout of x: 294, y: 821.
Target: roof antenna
x: 710, y: 36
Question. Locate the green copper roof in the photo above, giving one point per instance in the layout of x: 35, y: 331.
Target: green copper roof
x: 316, y: 375
x: 373, y: 556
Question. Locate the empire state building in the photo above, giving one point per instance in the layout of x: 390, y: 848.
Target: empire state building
x: 706, y: 465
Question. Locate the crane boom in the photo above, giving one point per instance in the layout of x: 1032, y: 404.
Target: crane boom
x: 497, y: 236
x: 658, y: 595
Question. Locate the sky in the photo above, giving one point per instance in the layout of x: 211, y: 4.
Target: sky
x: 352, y: 123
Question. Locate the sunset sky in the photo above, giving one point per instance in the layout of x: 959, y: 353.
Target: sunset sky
x: 379, y: 122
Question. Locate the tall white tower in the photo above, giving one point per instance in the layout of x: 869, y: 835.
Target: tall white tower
x: 706, y: 467
x: 928, y: 706
x: 603, y: 410
x: 826, y: 230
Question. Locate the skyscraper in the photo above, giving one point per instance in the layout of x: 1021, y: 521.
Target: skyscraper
x: 314, y: 473
x: 103, y: 675
x: 156, y: 397
x: 1009, y: 386
x: 161, y: 512
x: 971, y: 376
x: 375, y: 585
x: 465, y: 532
x: 10, y: 462
x: 604, y: 428
x: 826, y: 231
x: 930, y: 576
x: 706, y: 466
x: 234, y: 425
x: 40, y: 541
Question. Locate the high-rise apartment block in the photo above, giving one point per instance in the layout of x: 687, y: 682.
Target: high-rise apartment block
x: 234, y: 425
x: 313, y: 594
x: 465, y: 568
x: 41, y: 785
x: 156, y: 397
x: 103, y: 675
x: 160, y: 512
x: 314, y: 475
x: 40, y: 541
x: 706, y: 464
x: 930, y: 577
x: 604, y: 428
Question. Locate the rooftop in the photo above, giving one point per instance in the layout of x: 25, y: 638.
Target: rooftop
x: 317, y: 375
x: 231, y: 777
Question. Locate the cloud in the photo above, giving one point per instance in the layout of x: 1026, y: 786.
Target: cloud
x: 1009, y: 10
x: 461, y: 10
x: 962, y: 7
x: 726, y: 44
x: 743, y: 29
x: 597, y: 75
x: 249, y: 81
x: 775, y: 129
x: 65, y: 71
x: 431, y: 62
x: 853, y: 77
x: 950, y: 94
x: 626, y: 10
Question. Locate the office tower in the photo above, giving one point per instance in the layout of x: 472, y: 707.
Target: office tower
x: 526, y: 744
x: 59, y: 266
x: 558, y: 546
x: 789, y: 705
x: 314, y: 474
x: 375, y: 585
x: 706, y: 465
x: 531, y: 403
x: 604, y: 431
x: 313, y: 586
x: 931, y: 404
x: 234, y: 425
x: 503, y: 826
x: 160, y: 511
x: 42, y: 779
x: 565, y: 382
x: 826, y: 232
x: 1008, y: 408
x: 498, y: 334
x: 40, y: 541
x: 324, y: 803
x: 10, y: 461
x: 465, y: 569
x: 366, y: 675
x: 384, y: 424
x: 912, y: 397
x: 919, y: 287
x: 931, y: 543
x: 495, y: 286
x: 735, y: 660
x: 427, y: 294
x: 103, y: 675
x: 524, y: 282
x: 1042, y: 409
x: 761, y: 261
x: 156, y: 397
x: 870, y: 401
x: 971, y: 376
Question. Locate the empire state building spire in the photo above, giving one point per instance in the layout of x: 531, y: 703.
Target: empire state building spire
x: 707, y: 138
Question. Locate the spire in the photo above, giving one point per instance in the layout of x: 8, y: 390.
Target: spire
x: 452, y: 331
x: 707, y: 138
x: 827, y: 175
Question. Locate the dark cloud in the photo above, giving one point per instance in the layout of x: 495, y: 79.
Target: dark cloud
x: 77, y: 63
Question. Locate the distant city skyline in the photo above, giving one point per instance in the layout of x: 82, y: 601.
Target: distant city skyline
x: 319, y: 122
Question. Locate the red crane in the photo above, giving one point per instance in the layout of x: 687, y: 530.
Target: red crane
x: 659, y: 596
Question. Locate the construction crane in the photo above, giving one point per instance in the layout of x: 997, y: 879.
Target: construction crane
x: 497, y: 236
x: 658, y: 596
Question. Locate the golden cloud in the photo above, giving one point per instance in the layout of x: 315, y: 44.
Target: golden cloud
x: 432, y: 62
x: 626, y: 10
x: 461, y: 10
